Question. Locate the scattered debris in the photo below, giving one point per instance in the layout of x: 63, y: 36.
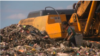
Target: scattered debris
x: 20, y: 40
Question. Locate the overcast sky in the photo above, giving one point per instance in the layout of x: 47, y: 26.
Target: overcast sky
x: 13, y: 11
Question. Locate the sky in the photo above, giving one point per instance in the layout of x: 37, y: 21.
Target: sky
x: 11, y: 12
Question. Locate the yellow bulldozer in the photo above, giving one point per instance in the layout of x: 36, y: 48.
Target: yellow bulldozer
x: 48, y: 21
x: 84, y: 18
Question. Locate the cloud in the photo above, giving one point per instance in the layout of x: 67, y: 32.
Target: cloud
x: 70, y: 7
x: 17, y: 16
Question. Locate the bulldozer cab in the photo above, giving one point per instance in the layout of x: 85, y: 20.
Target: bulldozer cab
x: 51, y: 12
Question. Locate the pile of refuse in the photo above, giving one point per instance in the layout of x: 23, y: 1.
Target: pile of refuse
x: 21, y: 40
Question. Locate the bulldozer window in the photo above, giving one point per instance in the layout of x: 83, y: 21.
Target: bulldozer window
x: 98, y: 8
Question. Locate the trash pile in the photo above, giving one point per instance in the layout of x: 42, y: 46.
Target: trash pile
x: 21, y: 40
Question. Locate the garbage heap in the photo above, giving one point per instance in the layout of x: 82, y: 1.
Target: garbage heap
x: 20, y: 40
